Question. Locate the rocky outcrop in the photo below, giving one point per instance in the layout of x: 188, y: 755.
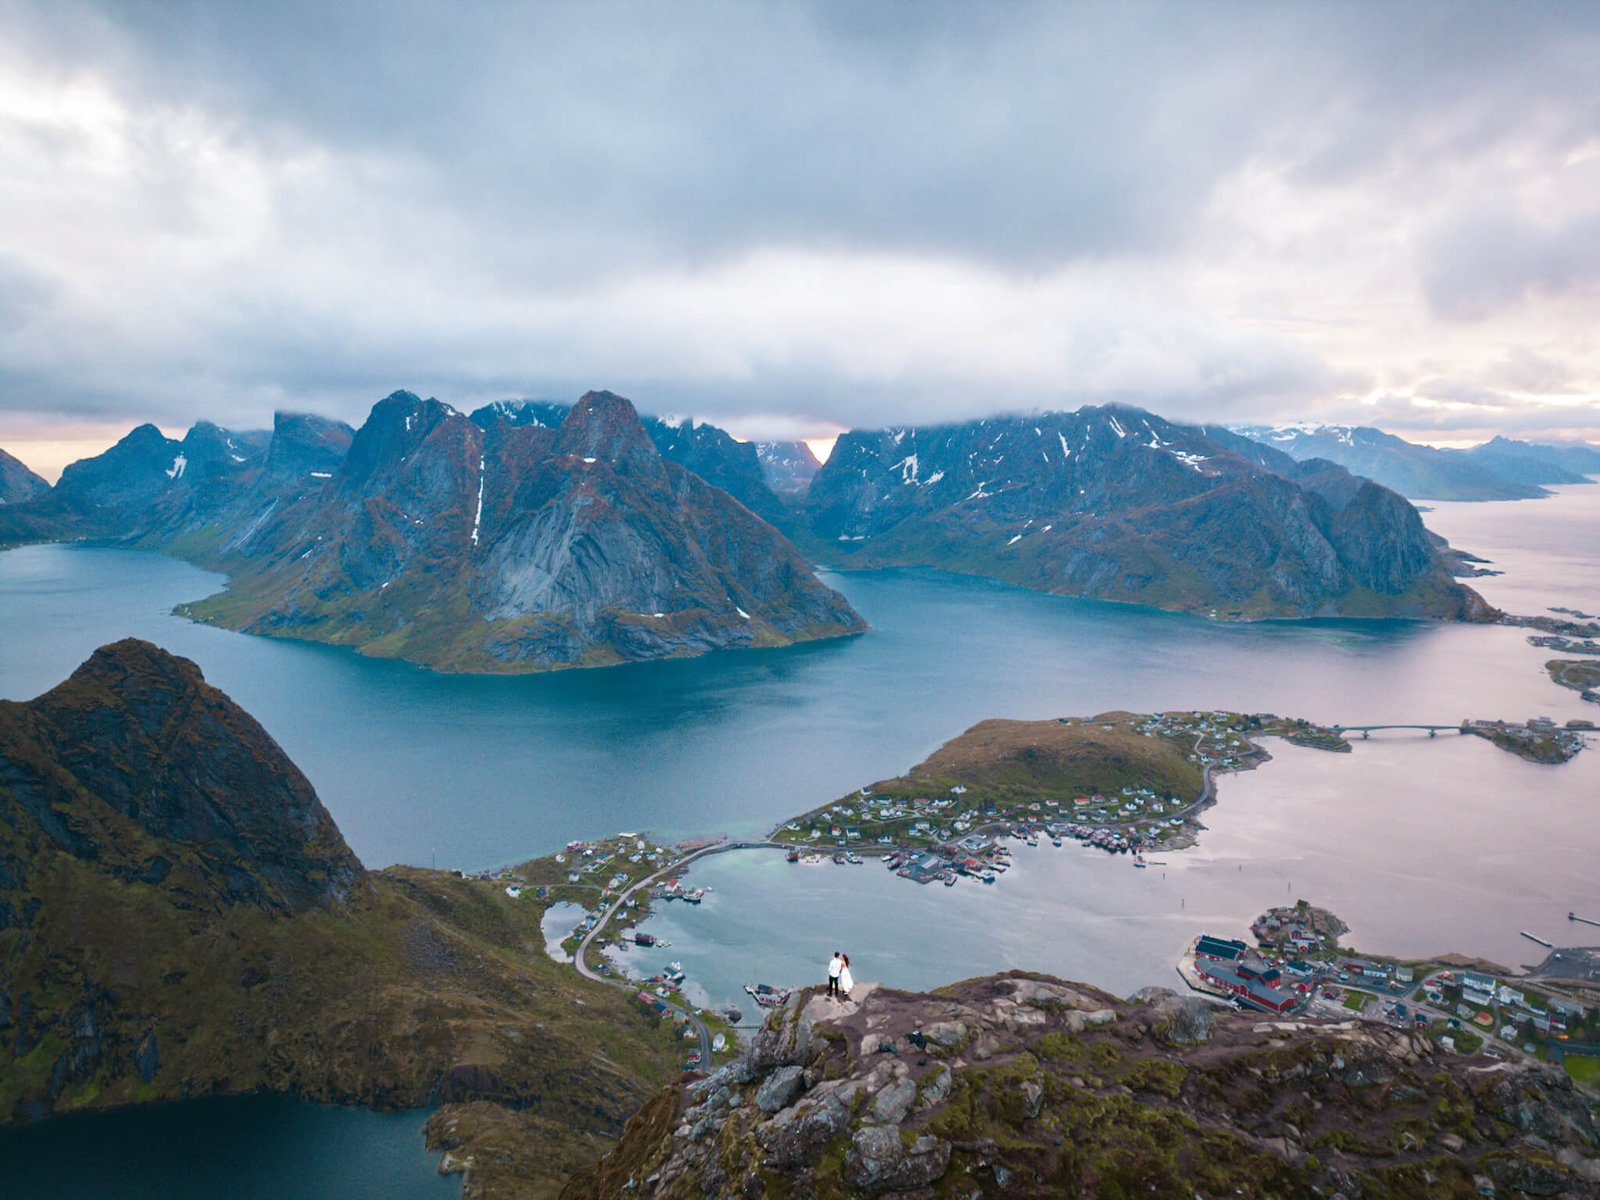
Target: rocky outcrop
x: 711, y: 453
x: 1024, y: 1085
x: 1119, y: 504
x: 520, y: 547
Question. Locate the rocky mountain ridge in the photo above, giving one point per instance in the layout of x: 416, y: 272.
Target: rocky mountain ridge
x: 1120, y: 504
x: 1500, y: 469
x: 1024, y: 1085
x: 503, y: 544
x: 521, y: 547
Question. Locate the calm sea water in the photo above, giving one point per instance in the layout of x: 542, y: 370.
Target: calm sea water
x: 468, y: 771
x: 242, y: 1148
x: 1422, y: 846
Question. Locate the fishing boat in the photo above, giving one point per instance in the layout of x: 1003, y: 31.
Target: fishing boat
x: 792, y: 856
x: 1138, y: 861
x: 949, y: 879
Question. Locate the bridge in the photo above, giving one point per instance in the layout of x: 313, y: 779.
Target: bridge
x: 1432, y: 730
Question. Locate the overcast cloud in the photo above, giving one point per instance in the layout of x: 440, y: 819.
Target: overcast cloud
x: 792, y: 218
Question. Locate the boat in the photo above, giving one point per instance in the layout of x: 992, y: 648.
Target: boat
x: 1534, y: 937
x: 949, y: 879
x: 766, y: 995
x: 839, y: 859
x: 987, y: 877
x: 1138, y: 861
x: 793, y: 856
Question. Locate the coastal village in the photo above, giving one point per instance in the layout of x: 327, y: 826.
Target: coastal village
x: 943, y: 834
x: 929, y: 827
x: 1295, y: 966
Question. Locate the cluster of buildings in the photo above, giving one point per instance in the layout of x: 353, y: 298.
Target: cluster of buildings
x: 1485, y: 1000
x: 1227, y: 967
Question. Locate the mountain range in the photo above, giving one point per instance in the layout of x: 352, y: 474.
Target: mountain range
x: 1120, y: 504
x: 1501, y: 469
x: 524, y: 539
x: 180, y: 916
x: 530, y: 535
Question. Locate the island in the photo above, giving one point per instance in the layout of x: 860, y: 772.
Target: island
x: 1582, y: 677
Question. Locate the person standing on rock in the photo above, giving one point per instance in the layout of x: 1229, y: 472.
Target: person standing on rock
x: 845, y: 981
x: 835, y: 965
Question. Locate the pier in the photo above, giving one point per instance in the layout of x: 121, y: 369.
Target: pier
x: 1575, y: 917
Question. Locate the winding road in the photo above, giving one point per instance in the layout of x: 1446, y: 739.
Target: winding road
x: 581, y: 958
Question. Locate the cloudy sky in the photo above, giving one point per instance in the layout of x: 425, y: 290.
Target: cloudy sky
x: 792, y: 218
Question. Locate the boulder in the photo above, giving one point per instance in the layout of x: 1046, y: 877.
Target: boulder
x: 878, y: 1161
x: 780, y: 1088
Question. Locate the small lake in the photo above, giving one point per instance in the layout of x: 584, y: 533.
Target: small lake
x: 226, y: 1148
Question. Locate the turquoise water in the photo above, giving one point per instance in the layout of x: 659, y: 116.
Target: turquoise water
x: 241, y: 1148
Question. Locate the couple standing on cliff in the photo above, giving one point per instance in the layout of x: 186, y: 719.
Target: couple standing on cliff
x: 839, y: 979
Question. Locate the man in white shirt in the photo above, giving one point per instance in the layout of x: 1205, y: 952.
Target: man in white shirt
x: 835, y: 965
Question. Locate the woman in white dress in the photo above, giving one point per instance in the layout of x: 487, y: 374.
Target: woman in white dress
x: 845, y: 980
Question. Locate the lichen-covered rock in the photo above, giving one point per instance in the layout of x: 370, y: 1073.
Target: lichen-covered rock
x: 879, y: 1161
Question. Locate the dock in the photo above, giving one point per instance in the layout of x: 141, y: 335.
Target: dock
x: 1534, y: 937
x: 1585, y: 920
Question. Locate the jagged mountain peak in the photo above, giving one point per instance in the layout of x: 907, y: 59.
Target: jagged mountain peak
x: 606, y: 427
x: 394, y: 429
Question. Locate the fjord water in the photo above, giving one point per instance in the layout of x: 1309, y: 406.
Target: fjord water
x: 241, y: 1147
x: 468, y: 771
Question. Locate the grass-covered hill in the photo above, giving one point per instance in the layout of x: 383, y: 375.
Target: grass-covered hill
x: 1005, y: 761
x: 180, y: 916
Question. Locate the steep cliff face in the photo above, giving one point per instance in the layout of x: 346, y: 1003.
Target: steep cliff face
x: 17, y: 483
x: 521, y: 546
x: 1024, y: 1085
x: 1120, y: 504
x: 180, y: 916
